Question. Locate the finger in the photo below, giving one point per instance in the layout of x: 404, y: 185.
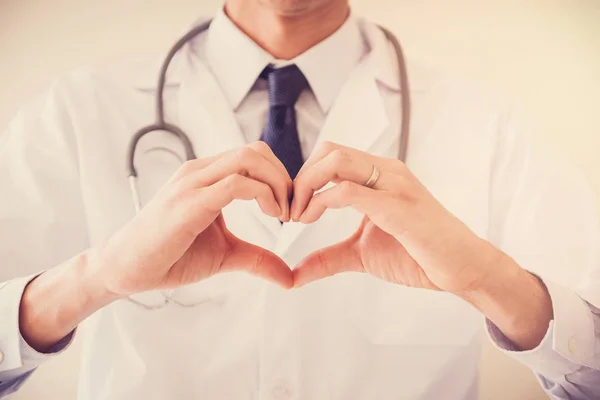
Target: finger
x: 323, y: 149
x: 319, y: 152
x: 191, y: 166
x: 264, y: 149
x: 245, y: 162
x: 260, y: 147
x: 259, y: 262
x: 238, y: 187
x: 342, y: 257
x: 346, y: 194
x: 338, y: 165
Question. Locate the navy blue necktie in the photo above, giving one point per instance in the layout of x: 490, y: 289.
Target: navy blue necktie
x: 281, y: 133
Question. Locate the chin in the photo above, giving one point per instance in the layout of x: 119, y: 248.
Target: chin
x: 296, y: 7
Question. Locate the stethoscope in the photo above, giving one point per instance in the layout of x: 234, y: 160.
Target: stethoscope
x: 162, y: 125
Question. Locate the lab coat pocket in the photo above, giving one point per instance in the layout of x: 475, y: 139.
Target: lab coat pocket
x: 388, y: 314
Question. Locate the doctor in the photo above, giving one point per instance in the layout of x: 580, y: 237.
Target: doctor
x: 481, y: 229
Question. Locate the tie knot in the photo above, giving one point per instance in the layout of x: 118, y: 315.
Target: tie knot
x: 285, y: 85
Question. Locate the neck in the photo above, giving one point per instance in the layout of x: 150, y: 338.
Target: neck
x: 286, y: 36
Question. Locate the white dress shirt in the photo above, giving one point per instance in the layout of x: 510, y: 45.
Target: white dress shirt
x: 326, y: 66
x: 61, y: 165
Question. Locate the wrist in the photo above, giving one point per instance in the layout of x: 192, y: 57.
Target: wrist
x: 499, y: 273
x: 92, y: 280
x: 515, y: 300
x: 58, y: 300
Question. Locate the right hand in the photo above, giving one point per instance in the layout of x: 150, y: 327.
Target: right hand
x: 180, y: 236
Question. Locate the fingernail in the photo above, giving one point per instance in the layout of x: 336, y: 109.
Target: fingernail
x: 294, y: 211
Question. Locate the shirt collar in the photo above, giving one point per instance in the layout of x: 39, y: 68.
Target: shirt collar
x: 237, y: 61
x: 380, y: 57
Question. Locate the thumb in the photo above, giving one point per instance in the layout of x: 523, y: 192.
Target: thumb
x: 244, y: 256
x: 342, y: 257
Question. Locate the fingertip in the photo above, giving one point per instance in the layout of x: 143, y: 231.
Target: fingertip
x: 283, y: 216
x: 269, y: 206
x: 300, y: 282
x: 271, y: 212
x: 297, y: 283
x: 285, y: 212
x: 293, y: 216
x: 299, y: 274
x: 278, y: 271
x: 285, y: 281
x: 287, y: 285
x: 297, y: 211
x: 293, y: 206
x: 288, y: 209
x: 297, y: 286
x: 276, y: 211
x: 305, y: 218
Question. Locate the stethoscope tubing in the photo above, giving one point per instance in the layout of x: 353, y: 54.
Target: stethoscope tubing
x: 161, y: 125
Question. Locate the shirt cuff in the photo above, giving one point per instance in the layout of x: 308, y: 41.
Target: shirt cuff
x: 569, y: 342
x: 32, y: 358
x: 15, y: 352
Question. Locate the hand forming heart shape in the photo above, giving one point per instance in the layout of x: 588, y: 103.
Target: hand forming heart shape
x: 180, y: 237
x: 407, y: 237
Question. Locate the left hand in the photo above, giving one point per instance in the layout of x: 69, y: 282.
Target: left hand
x: 407, y: 237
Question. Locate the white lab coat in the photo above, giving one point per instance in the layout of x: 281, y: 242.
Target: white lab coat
x: 347, y: 337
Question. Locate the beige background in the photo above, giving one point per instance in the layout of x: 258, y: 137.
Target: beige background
x: 545, y: 53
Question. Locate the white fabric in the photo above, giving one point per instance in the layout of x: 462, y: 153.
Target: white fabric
x: 62, y: 173
x: 10, y: 340
x: 326, y: 66
x: 17, y: 359
x: 570, y: 335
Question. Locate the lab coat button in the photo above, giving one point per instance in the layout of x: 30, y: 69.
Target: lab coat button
x: 282, y: 392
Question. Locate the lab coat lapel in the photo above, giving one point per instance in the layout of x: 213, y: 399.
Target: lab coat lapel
x: 356, y: 120
x: 358, y: 116
x: 206, y: 116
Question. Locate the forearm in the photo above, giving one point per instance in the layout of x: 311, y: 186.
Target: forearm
x: 516, y: 301
x: 58, y: 300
